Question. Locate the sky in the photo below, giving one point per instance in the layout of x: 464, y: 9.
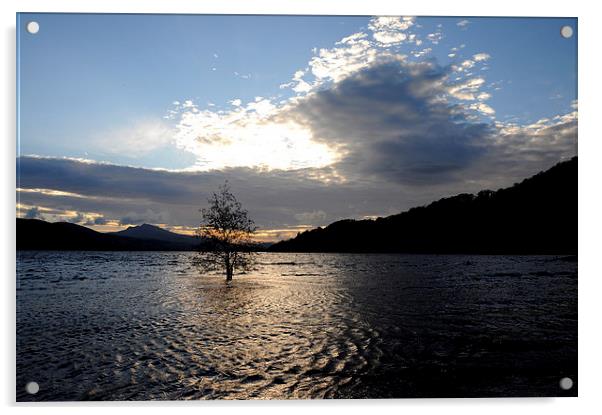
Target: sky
x: 131, y: 119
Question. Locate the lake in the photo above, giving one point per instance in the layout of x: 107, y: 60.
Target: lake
x: 149, y: 325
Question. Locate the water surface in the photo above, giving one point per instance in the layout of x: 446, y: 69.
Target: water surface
x: 148, y: 325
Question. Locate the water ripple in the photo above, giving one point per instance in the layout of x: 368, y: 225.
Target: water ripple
x: 122, y: 326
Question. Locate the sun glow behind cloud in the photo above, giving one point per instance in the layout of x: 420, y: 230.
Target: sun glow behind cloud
x: 248, y: 137
x: 257, y: 135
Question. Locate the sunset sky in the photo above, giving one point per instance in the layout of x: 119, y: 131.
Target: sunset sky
x: 131, y: 119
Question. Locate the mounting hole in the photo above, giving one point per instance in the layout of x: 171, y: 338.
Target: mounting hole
x: 566, y: 383
x: 32, y: 388
x: 566, y: 32
x: 33, y: 27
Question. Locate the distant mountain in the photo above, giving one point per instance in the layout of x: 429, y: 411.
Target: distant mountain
x: 536, y: 216
x: 33, y: 234
x: 151, y: 232
x: 263, y: 246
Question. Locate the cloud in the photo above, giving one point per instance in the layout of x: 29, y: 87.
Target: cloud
x: 390, y: 30
x: 435, y: 38
x: 483, y: 96
x: 480, y: 57
x: 422, y: 52
x: 336, y: 63
x: 547, y: 139
x: 467, y: 64
x: 482, y: 108
x: 133, y: 195
x: 78, y: 218
x: 247, y: 136
x: 463, y: 23
x: 359, y: 50
x: 352, y: 39
x: 33, y: 213
x: 315, y: 217
x: 52, y: 213
x: 98, y: 220
x: 242, y: 75
x: 464, y: 65
x: 467, y: 89
x: 146, y: 216
x: 298, y: 84
x: 395, y: 120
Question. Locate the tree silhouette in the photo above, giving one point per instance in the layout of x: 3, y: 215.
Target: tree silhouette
x: 227, y: 231
x: 536, y: 216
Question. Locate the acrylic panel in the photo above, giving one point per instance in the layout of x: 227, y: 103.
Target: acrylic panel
x: 295, y: 207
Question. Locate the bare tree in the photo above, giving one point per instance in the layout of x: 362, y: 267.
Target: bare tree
x: 227, y: 232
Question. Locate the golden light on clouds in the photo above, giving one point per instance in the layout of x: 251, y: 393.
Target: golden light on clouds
x: 51, y: 192
x: 90, y: 220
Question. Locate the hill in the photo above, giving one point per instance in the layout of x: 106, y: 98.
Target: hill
x: 536, y: 216
x: 34, y: 234
x: 151, y: 232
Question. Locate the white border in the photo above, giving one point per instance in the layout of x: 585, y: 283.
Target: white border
x: 590, y: 188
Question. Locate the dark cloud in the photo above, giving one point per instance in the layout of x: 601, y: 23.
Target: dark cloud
x: 394, y: 121
x: 274, y: 198
x: 97, y: 179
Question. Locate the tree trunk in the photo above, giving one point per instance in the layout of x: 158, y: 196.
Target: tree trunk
x: 228, y: 269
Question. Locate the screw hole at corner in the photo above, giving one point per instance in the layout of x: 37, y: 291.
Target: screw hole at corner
x: 32, y: 388
x: 566, y: 32
x: 566, y: 384
x: 33, y: 27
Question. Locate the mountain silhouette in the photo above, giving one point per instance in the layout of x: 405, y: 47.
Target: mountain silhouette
x: 34, y: 234
x: 536, y: 216
x: 151, y: 232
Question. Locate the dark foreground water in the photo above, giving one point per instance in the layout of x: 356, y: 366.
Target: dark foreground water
x: 121, y: 326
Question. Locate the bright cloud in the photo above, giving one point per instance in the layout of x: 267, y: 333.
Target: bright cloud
x: 422, y: 52
x: 248, y: 137
x: 466, y: 90
x: 435, y: 38
x: 482, y: 108
x: 390, y: 30
x: 479, y: 57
